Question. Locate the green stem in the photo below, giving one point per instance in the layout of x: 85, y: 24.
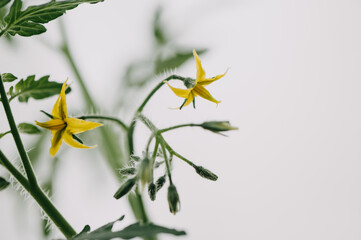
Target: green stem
x: 14, y: 131
x: 41, y: 198
x: 65, y: 49
x: 141, y: 107
x: 178, y: 155
x: 178, y: 126
x: 112, y: 149
x: 118, y: 121
x: 162, y: 145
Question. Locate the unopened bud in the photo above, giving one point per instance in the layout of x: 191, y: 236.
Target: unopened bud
x: 144, y: 171
x: 125, y: 188
x: 127, y: 171
x: 173, y: 199
x: 218, y: 126
x: 152, y: 191
x: 203, y: 172
x: 160, y: 182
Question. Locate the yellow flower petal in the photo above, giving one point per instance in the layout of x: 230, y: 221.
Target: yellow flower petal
x: 75, y: 126
x: 189, y: 99
x: 202, y: 92
x: 183, y: 93
x: 207, y: 81
x: 59, y: 110
x: 56, y: 141
x: 68, y: 138
x: 201, y: 74
x: 53, y: 124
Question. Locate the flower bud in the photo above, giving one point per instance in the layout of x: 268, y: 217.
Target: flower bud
x: 160, y: 182
x: 205, y: 173
x: 125, y: 188
x: 145, y: 171
x: 218, y: 126
x: 152, y: 191
x: 173, y: 199
x: 127, y: 171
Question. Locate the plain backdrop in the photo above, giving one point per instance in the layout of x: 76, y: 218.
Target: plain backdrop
x: 291, y: 171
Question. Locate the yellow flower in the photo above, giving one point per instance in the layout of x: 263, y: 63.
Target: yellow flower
x: 197, y: 88
x: 64, y: 127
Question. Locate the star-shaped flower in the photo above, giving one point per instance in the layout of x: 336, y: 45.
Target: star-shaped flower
x: 63, y: 127
x: 197, y: 86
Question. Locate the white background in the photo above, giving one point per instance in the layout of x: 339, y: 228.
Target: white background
x: 293, y: 169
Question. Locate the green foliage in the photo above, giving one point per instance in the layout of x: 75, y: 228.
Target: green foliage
x: 37, y: 89
x: 8, y: 77
x: 158, y: 29
x: 132, y: 231
x: 3, y: 184
x: 3, y: 3
x: 30, y: 21
x: 28, y: 128
x: 174, y: 61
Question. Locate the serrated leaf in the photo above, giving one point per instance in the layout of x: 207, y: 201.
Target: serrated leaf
x: 174, y: 61
x: 36, y: 89
x: 3, y: 3
x: 29, y: 22
x: 132, y: 231
x: 3, y: 184
x: 28, y: 128
x: 8, y: 77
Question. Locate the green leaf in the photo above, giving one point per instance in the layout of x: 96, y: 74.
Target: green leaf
x: 28, y: 128
x: 29, y: 22
x: 174, y: 61
x: 132, y: 231
x: 108, y: 226
x: 3, y: 3
x: 158, y: 29
x: 37, y: 89
x: 8, y: 77
x: 3, y: 184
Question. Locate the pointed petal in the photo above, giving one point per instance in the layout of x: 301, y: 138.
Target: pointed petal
x: 56, y: 141
x: 189, y: 99
x: 202, y: 92
x: 59, y: 109
x: 201, y: 74
x: 68, y: 138
x: 207, y: 81
x: 52, y: 124
x: 75, y: 125
x: 183, y: 93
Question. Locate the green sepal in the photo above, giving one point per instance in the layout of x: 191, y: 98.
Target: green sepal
x: 28, y: 128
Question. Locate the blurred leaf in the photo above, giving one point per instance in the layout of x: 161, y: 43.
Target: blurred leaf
x: 174, y: 61
x: 8, y: 77
x: 132, y: 231
x: 3, y: 184
x: 3, y: 3
x: 28, y: 128
x: 108, y: 226
x: 37, y: 89
x: 3, y: 134
x: 158, y: 29
x: 29, y: 22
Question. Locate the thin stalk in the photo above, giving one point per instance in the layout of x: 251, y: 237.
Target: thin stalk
x: 178, y: 155
x: 178, y: 126
x: 141, y: 107
x: 116, y: 120
x: 14, y: 131
x: 162, y: 145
